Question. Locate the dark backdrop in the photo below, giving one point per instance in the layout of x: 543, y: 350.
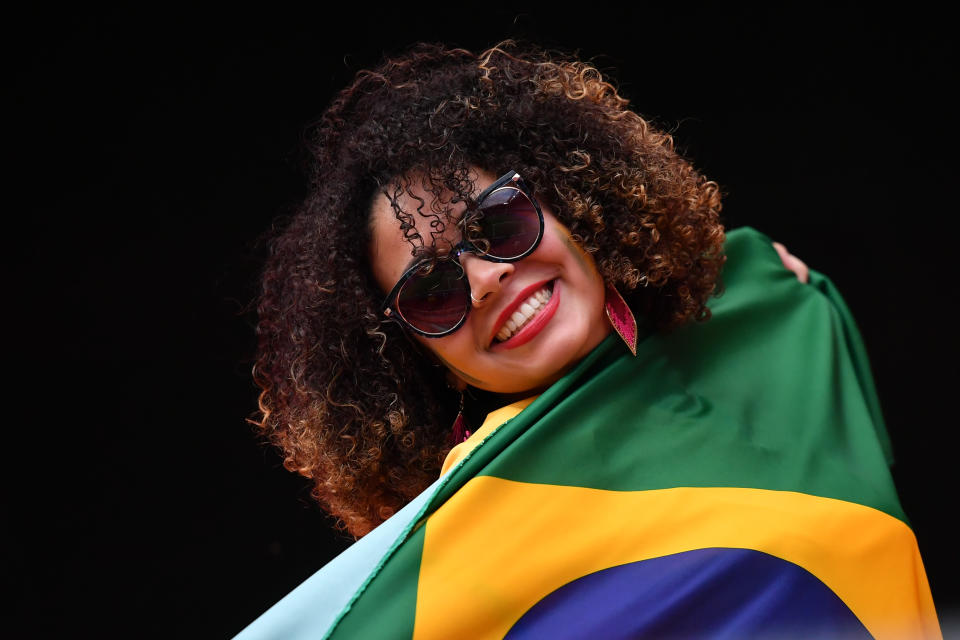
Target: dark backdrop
x: 152, y: 149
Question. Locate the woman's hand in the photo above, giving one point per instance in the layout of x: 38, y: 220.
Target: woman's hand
x: 793, y: 263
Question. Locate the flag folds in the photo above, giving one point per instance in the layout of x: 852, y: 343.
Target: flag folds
x: 731, y: 480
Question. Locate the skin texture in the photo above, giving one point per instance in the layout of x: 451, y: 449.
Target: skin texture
x: 470, y: 353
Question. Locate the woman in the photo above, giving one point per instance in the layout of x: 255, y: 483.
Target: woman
x: 477, y: 228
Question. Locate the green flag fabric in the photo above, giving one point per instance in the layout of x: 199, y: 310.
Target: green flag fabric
x: 731, y: 480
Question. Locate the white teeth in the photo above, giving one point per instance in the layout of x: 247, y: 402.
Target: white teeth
x: 524, y: 313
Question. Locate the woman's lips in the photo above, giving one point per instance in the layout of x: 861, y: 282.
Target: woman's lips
x: 529, y: 331
x: 524, y: 313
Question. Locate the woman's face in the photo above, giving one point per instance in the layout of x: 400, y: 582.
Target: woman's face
x: 567, y: 322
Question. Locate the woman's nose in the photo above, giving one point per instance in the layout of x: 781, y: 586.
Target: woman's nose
x: 485, y: 277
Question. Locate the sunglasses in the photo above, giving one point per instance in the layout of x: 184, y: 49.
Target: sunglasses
x: 432, y: 298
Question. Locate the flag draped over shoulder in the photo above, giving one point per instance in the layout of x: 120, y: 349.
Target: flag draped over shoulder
x: 731, y: 480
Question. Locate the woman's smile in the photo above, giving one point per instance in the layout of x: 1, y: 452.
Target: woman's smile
x: 530, y: 320
x: 526, y: 316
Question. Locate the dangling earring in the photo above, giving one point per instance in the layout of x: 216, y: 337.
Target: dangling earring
x: 621, y: 318
x: 460, y: 433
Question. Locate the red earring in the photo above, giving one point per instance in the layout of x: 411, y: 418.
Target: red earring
x: 460, y: 433
x: 621, y: 318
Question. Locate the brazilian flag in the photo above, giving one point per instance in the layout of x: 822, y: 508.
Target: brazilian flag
x: 730, y: 481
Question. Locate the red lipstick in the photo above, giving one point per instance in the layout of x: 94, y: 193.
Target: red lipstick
x: 530, y: 330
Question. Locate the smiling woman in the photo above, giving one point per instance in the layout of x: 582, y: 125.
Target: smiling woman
x: 529, y: 319
x: 539, y: 342
x: 363, y: 405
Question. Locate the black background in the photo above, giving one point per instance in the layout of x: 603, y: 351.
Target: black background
x: 152, y: 149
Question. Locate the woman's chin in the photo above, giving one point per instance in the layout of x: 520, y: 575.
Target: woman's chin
x: 541, y: 361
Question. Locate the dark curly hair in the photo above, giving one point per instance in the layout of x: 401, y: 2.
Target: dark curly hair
x: 351, y: 400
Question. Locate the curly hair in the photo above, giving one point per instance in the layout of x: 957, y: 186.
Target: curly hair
x: 350, y: 399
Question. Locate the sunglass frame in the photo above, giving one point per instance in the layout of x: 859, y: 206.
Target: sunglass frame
x: 390, y: 306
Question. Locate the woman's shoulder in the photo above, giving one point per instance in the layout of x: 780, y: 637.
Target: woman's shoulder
x: 749, y: 250
x: 769, y: 313
x: 755, y: 273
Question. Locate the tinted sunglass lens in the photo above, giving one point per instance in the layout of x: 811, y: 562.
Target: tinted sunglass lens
x: 510, y: 223
x: 436, y: 301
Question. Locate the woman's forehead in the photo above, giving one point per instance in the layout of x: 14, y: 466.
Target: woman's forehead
x: 412, y: 219
x: 424, y: 211
x: 408, y: 225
